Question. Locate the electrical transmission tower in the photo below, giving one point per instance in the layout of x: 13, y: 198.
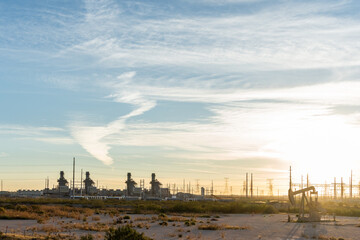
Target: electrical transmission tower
x: 226, y: 186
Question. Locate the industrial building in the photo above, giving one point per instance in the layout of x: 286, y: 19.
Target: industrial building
x: 87, y: 189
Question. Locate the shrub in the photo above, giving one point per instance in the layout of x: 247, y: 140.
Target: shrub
x: 124, y: 233
x: 209, y: 227
x: 126, y: 217
x: 87, y: 237
x: 163, y: 223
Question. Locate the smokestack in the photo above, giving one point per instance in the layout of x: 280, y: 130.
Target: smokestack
x: 74, y: 177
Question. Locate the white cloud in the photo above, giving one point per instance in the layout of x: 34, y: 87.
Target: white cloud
x: 284, y: 36
x: 92, y: 138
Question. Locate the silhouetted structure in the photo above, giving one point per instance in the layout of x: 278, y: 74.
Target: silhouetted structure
x: 88, y: 184
x: 155, y: 186
x: 130, y: 185
x: 63, y: 184
x: 62, y: 181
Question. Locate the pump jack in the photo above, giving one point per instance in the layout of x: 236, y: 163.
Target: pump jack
x: 314, y: 208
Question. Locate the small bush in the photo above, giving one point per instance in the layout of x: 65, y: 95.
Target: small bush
x: 2, y: 210
x: 190, y: 222
x: 126, y: 217
x: 124, y: 233
x: 163, y: 223
x: 87, y: 237
x: 209, y: 227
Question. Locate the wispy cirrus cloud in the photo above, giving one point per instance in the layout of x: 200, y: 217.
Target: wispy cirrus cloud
x: 51, y: 135
x: 288, y: 36
x: 92, y: 138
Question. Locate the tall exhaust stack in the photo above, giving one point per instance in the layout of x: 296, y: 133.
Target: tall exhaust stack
x: 73, y: 176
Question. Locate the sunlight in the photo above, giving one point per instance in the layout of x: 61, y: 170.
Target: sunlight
x: 324, y: 146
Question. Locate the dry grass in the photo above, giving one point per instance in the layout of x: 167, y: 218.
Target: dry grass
x: 221, y: 227
x: 323, y: 237
x: 142, y: 219
x: 209, y: 227
x: 96, y: 227
x: 41, y: 213
x: 45, y: 228
x: 13, y: 236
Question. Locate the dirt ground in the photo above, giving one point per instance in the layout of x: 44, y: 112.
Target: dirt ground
x: 251, y: 227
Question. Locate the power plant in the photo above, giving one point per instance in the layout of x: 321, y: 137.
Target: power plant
x: 87, y: 189
x: 250, y: 188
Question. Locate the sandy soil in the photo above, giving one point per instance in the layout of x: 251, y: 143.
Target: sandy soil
x: 255, y: 227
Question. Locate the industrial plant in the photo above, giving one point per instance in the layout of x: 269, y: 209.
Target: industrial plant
x: 88, y: 189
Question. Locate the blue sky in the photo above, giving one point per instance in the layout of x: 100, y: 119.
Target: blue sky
x: 189, y: 90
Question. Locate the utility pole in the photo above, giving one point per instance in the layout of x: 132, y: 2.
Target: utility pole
x: 247, y: 183
x: 270, y: 187
x: 334, y: 187
x: 197, y: 186
x: 73, y: 177
x: 212, y: 187
x: 290, y: 184
x: 342, y: 188
x: 307, y: 184
x: 307, y: 180
x: 351, y: 185
x: 226, y: 190
x: 251, y: 186
x: 81, y: 182
x: 325, y: 190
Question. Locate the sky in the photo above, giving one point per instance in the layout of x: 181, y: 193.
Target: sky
x: 196, y: 90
